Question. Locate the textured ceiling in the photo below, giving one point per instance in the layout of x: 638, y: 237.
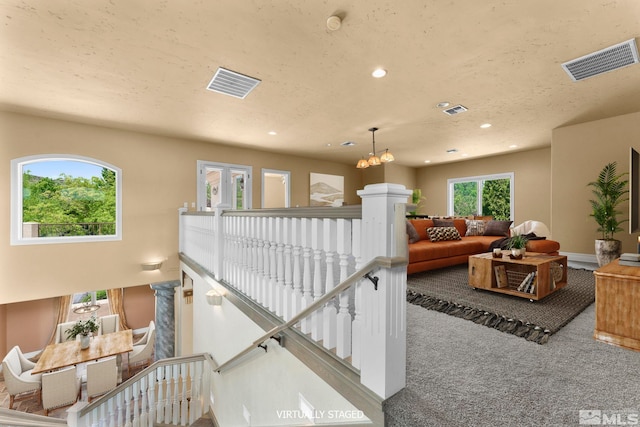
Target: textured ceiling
x: 145, y: 65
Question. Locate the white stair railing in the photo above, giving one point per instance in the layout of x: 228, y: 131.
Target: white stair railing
x: 170, y: 391
x: 286, y: 259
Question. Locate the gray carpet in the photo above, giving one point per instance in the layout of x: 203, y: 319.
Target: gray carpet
x: 463, y: 374
x: 447, y: 290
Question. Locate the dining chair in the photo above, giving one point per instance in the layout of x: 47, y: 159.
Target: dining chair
x: 61, y: 332
x: 102, y: 376
x: 18, y: 378
x: 142, y: 352
x: 60, y: 388
x: 108, y: 324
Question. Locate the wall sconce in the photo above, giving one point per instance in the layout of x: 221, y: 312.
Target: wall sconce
x: 150, y: 266
x: 214, y: 298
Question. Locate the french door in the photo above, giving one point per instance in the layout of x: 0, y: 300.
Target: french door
x: 223, y: 183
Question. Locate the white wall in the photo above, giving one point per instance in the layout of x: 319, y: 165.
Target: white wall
x: 266, y: 384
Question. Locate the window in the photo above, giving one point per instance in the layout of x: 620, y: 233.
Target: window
x: 64, y: 199
x: 223, y: 183
x: 482, y: 195
x: 87, y: 304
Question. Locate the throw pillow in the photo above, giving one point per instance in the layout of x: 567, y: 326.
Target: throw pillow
x: 412, y: 233
x: 443, y: 223
x: 475, y: 227
x: 439, y: 234
x: 497, y: 228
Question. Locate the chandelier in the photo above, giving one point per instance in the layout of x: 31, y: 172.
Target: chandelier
x: 374, y: 160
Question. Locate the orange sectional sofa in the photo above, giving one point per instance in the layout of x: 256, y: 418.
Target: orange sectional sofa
x: 427, y: 255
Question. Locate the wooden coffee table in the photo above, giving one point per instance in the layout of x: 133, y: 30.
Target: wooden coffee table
x: 546, y: 273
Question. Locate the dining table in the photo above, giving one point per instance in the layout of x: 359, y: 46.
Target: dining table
x: 56, y: 356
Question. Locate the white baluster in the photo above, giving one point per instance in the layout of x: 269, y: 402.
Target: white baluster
x: 288, y: 269
x: 161, y: 385
x: 296, y: 240
x: 356, y: 330
x: 267, y: 264
x: 193, y: 403
x: 175, y: 409
x: 144, y: 406
x: 343, y: 338
x: 329, y: 313
x: 119, y: 410
x: 151, y: 395
x: 273, y: 270
x: 316, y: 245
x: 279, y: 268
x: 127, y: 405
x: 136, y: 407
x: 259, y: 261
x: 184, y: 402
x: 307, y: 284
x: 168, y: 401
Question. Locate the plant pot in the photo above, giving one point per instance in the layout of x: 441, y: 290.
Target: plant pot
x: 607, y: 251
x: 517, y: 253
x: 85, y: 340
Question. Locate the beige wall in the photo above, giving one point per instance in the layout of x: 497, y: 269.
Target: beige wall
x: 578, y: 153
x: 159, y: 175
x: 274, y: 192
x: 531, y: 178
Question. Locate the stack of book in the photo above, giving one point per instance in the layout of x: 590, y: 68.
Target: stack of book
x: 632, y: 260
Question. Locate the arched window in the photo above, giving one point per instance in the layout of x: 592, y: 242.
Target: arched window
x: 64, y: 199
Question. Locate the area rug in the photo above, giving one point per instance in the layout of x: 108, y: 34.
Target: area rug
x: 447, y: 290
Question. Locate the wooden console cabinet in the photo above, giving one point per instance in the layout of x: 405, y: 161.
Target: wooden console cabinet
x: 618, y: 305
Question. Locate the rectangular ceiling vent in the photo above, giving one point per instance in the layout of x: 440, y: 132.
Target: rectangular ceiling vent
x: 231, y: 83
x: 455, y: 110
x: 602, y: 61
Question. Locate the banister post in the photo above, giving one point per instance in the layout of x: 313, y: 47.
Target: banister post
x: 383, y: 335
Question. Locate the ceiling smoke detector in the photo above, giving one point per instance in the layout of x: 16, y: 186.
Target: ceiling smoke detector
x: 232, y: 83
x: 602, y: 61
x: 455, y: 110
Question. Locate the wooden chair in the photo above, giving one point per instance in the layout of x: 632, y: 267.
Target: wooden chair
x: 60, y: 388
x: 18, y: 378
x: 102, y: 376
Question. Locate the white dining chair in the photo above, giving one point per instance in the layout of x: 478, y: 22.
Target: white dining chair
x: 142, y: 352
x: 102, y: 376
x: 60, y: 388
x: 61, y: 332
x: 18, y: 378
x: 108, y: 324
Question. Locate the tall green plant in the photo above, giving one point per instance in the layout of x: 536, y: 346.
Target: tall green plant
x: 609, y: 190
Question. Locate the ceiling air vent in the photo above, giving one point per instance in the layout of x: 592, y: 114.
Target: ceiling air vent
x: 455, y: 110
x: 602, y: 61
x: 231, y: 83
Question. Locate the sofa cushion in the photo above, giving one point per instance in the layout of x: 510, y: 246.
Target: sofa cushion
x: 497, y: 228
x: 438, y: 234
x: 412, y: 233
x: 475, y: 227
x: 443, y: 222
x: 421, y: 225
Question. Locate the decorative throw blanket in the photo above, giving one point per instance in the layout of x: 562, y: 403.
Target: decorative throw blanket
x: 505, y: 241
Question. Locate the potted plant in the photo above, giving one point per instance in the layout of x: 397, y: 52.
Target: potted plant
x: 610, y: 190
x: 416, y: 199
x: 517, y: 244
x: 83, y: 328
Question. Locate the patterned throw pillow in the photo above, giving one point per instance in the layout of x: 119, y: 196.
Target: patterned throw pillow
x: 475, y: 227
x: 439, y: 234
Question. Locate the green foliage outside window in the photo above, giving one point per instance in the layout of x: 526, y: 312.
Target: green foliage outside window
x: 496, y: 197
x: 69, y: 200
x: 465, y: 198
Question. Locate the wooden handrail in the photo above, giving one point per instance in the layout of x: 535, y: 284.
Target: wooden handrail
x: 385, y: 262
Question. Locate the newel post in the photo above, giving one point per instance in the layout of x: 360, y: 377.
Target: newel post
x: 384, y: 334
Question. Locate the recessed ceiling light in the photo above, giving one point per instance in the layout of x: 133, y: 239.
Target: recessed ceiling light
x: 513, y: 146
x: 427, y: 161
x: 464, y: 154
x: 452, y: 150
x: 348, y: 144
x: 378, y: 73
x: 443, y: 104
x: 328, y: 144
x: 273, y: 132
x: 485, y: 125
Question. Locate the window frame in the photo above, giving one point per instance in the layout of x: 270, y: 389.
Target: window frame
x: 226, y: 171
x: 479, y: 179
x: 17, y: 166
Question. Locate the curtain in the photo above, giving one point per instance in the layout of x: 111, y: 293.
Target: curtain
x: 62, y: 310
x: 116, y: 303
